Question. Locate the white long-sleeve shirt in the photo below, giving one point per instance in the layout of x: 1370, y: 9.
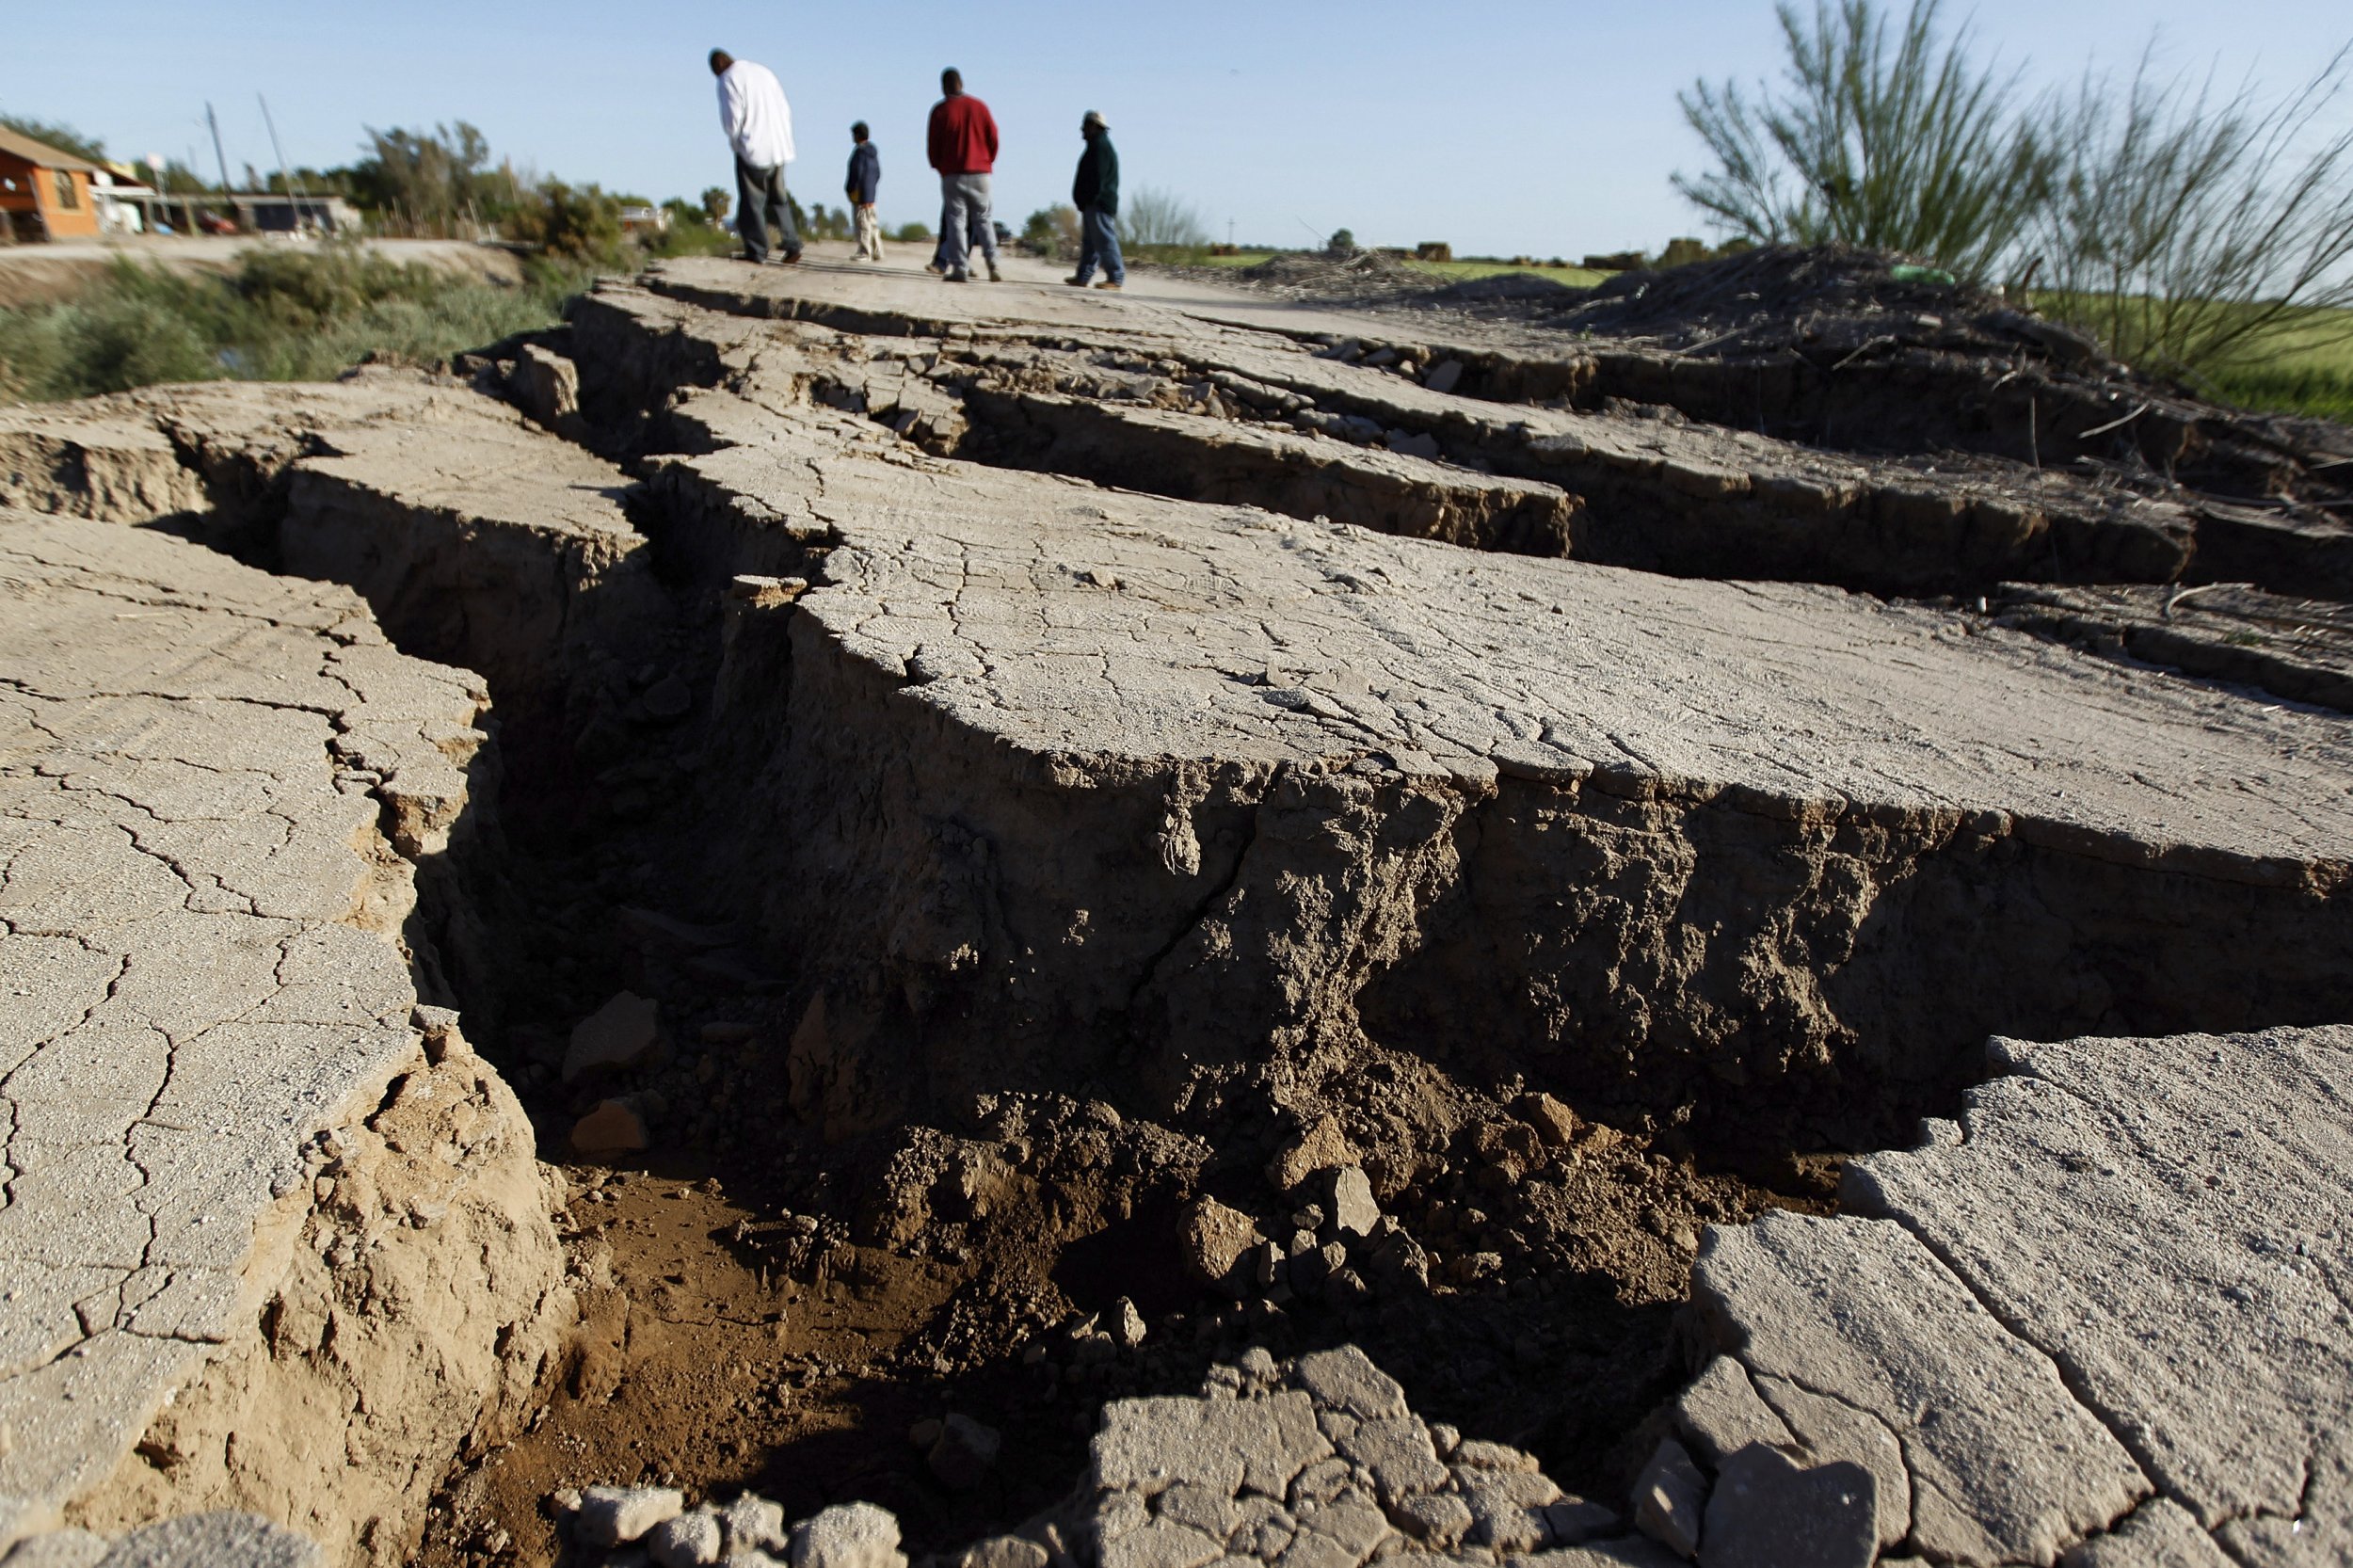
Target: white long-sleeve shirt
x: 752, y: 111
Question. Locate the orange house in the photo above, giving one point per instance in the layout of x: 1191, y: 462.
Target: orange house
x: 44, y: 194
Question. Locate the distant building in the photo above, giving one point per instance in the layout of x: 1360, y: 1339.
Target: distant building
x: 645, y: 221
x: 44, y: 194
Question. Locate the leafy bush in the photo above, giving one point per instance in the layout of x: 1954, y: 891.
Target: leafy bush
x: 2184, y: 228
x: 578, y: 224
x: 1906, y: 145
x: 1052, y: 232
x: 2187, y: 234
x: 283, y: 315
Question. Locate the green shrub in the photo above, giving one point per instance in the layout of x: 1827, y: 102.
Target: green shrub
x: 284, y: 316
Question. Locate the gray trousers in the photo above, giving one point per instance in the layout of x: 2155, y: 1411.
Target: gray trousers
x: 758, y: 190
x: 966, y: 220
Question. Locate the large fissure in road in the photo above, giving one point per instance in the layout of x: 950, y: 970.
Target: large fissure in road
x: 1031, y: 856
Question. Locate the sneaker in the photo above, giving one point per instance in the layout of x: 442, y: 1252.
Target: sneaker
x: 1075, y: 282
x: 794, y: 260
x: 995, y: 275
x: 748, y: 256
x: 955, y: 277
x: 1106, y: 284
x: 935, y: 269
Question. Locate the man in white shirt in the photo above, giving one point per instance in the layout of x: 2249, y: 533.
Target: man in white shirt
x: 758, y: 123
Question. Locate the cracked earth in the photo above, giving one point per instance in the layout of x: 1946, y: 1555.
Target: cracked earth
x: 821, y: 919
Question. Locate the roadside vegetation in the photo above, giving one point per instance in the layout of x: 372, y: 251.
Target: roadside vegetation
x: 284, y: 316
x: 2197, y: 233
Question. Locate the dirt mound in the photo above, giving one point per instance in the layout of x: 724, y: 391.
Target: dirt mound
x: 1320, y: 274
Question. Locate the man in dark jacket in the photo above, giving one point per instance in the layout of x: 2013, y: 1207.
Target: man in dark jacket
x: 1095, y: 194
x: 963, y: 145
x: 865, y: 179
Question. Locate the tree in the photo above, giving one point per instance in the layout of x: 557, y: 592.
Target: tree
x: 430, y: 181
x: 2185, y: 230
x: 913, y: 234
x: 1904, y: 144
x: 65, y: 138
x: 715, y: 204
x: 1160, y: 219
x: 1342, y: 243
x: 1052, y: 232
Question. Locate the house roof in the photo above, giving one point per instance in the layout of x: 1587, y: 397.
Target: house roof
x: 40, y: 153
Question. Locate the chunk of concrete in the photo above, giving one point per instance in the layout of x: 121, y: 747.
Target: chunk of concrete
x: 1720, y: 1413
x: 1215, y: 1239
x: 1766, y: 1513
x: 1345, y: 1380
x: 1146, y: 1446
x: 1671, y: 1499
x: 963, y: 1453
x: 848, y: 1535
x: 1353, y: 1211
x: 213, y: 1540
x: 616, y: 1037
x: 690, y: 1541
x: 615, y: 1516
x: 2005, y: 1464
x: 2153, y: 1215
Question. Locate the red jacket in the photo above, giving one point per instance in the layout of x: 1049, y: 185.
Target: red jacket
x: 963, y: 135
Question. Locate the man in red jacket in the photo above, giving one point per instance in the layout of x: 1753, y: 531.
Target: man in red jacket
x: 963, y: 148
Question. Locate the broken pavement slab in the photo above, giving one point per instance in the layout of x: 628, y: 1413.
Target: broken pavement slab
x: 1215, y: 685
x: 2110, y: 1299
x: 217, y: 784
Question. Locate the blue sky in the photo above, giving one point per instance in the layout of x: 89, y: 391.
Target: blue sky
x: 1502, y: 127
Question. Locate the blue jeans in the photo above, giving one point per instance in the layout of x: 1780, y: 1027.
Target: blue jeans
x: 966, y: 220
x: 1099, y: 241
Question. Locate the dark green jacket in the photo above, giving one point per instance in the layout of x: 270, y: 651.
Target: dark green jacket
x: 1098, y: 184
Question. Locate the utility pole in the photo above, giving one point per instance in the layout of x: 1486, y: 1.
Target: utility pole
x: 218, y: 157
x: 294, y: 192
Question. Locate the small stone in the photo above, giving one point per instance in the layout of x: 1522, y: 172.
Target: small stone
x: 1766, y: 1513
x: 1479, y: 1454
x: 1353, y: 1211
x: 1574, y: 1521
x: 1125, y: 1324
x: 848, y: 1535
x: 1444, y: 1439
x: 1215, y: 1239
x: 1554, y: 1122
x: 1669, y: 1498
x: 1443, y: 375
x: 614, y: 1127
x: 1322, y: 1148
x: 754, y: 1524
x: 615, y: 1516
x: 690, y: 1541
x: 1004, y: 1551
x: 614, y: 1038
x: 668, y: 699
x: 1257, y: 1365
x: 964, y: 1453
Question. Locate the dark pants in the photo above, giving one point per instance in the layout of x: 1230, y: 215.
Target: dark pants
x: 759, y: 189
x: 1099, y: 241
